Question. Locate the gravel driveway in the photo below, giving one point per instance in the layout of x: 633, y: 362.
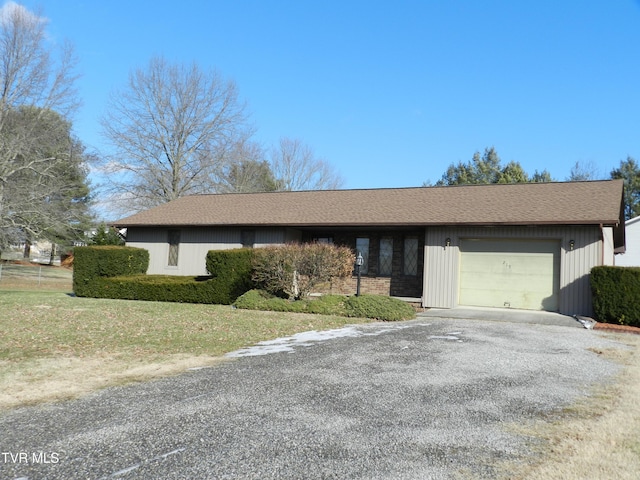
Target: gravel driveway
x: 425, y: 399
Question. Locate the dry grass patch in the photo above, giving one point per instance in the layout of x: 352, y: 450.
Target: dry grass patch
x: 25, y: 276
x: 599, y: 437
x: 65, y: 378
x: 54, y: 346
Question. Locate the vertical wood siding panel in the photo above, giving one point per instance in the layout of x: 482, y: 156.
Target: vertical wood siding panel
x: 441, y: 270
x: 608, y: 248
x: 194, y: 245
x: 155, y: 240
x: 270, y: 236
x: 442, y: 265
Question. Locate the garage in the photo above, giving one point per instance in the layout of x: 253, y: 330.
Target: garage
x: 510, y: 273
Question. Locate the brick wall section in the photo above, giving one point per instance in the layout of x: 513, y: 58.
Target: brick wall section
x: 398, y: 284
x: 348, y: 286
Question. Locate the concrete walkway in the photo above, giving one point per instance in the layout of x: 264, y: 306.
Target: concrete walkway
x: 503, y: 315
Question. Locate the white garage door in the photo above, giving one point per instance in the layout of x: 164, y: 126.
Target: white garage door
x: 510, y: 273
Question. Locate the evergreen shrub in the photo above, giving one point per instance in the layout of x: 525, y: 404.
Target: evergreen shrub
x: 161, y: 288
x: 379, y: 307
x: 92, y: 263
x: 231, y: 271
x: 119, y: 272
x: 616, y: 294
x: 368, y: 306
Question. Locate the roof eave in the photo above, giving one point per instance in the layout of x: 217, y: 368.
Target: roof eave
x: 376, y: 224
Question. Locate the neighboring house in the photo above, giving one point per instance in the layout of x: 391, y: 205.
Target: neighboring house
x: 528, y: 246
x: 631, y: 257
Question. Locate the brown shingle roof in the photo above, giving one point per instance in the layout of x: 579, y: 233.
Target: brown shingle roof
x: 512, y: 204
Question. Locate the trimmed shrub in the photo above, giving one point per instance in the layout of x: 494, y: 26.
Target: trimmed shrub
x: 160, y: 288
x: 92, y: 263
x: 231, y: 270
x: 261, y: 300
x: 378, y: 307
x: 368, y: 306
x: 616, y: 295
x: 253, y: 300
x: 119, y: 272
x: 327, y: 305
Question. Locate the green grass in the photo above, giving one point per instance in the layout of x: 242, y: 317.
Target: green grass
x: 44, y: 324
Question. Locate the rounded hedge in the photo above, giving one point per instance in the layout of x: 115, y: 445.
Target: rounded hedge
x: 377, y: 307
x: 616, y: 294
x: 97, y: 262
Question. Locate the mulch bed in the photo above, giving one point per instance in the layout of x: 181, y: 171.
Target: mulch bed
x: 610, y: 327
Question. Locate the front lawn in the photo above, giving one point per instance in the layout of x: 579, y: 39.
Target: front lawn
x: 54, y: 345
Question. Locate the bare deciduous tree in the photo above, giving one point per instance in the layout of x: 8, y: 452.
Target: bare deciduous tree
x: 296, y: 167
x: 172, y: 128
x: 40, y: 169
x: 48, y: 199
x: 247, y: 171
x: 583, y: 171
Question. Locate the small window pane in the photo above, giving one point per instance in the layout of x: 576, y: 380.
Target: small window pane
x: 325, y: 240
x: 386, y: 256
x: 174, y: 246
x: 410, y: 256
x: 248, y: 238
x: 362, y: 247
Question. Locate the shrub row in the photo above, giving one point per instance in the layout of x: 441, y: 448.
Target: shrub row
x: 616, y: 295
x: 369, y: 306
x: 162, y: 288
x: 91, y: 263
x: 119, y: 272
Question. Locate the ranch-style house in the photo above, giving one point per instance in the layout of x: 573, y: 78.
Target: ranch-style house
x: 524, y: 246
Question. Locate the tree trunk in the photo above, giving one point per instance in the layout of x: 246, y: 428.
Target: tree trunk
x: 53, y: 252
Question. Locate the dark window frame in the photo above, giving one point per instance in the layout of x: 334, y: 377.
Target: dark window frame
x: 364, y: 269
x: 173, y: 238
x: 248, y: 238
x: 414, y: 270
x: 385, y: 257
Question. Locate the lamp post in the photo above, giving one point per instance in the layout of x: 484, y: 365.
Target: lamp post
x: 359, y: 262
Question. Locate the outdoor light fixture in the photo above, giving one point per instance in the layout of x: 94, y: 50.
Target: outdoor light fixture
x: 447, y: 242
x: 572, y: 244
x: 359, y: 263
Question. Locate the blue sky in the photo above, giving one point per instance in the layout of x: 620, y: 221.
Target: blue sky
x: 389, y: 93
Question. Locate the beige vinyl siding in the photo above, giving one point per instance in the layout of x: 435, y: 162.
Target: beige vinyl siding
x: 442, y: 263
x: 575, y: 290
x: 194, y: 245
x: 440, y: 269
x: 608, y: 256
